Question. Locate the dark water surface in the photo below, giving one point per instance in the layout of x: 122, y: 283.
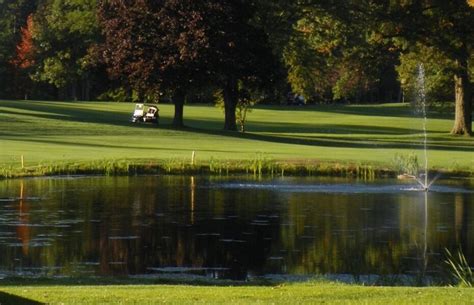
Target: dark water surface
x: 230, y: 227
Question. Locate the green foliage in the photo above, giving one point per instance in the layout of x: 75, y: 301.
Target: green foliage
x: 447, y: 27
x: 122, y: 94
x: 56, y: 71
x: 116, y: 95
x: 306, y: 72
x: 459, y: 268
x: 438, y: 73
x: 330, y: 56
x: 310, y: 53
x: 65, y: 33
x: 243, y: 108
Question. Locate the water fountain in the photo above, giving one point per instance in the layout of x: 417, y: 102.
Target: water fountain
x: 421, y: 104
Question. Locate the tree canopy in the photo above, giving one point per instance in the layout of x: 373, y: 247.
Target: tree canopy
x: 13, y: 17
x: 64, y: 34
x: 352, y: 51
x: 156, y: 46
x: 445, y: 27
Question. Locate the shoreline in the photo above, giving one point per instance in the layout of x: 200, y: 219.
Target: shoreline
x: 387, y: 280
x: 213, y: 167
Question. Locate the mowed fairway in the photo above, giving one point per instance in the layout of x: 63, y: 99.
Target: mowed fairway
x: 49, y: 132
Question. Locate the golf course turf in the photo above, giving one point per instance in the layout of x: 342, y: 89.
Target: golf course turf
x: 87, y: 134
x: 55, y: 137
x: 306, y: 293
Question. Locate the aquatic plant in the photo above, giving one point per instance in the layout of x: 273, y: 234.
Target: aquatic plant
x: 459, y: 268
x: 406, y: 164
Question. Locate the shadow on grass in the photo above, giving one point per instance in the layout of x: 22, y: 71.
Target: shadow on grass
x: 286, y: 133
x: 338, y: 142
x: 119, y: 119
x: 305, y: 140
x: 11, y: 299
x: 62, y: 111
x: 395, y: 110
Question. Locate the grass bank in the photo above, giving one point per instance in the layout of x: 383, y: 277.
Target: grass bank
x: 301, y: 293
x: 97, y: 138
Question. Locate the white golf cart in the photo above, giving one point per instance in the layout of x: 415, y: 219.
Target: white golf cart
x: 145, y: 113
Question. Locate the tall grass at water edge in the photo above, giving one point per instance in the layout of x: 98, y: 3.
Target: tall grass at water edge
x: 459, y: 268
x: 258, y: 166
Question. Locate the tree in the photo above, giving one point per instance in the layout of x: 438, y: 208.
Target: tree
x: 65, y: 34
x: 245, y: 101
x: 244, y: 107
x: 176, y: 46
x: 438, y: 72
x: 329, y: 55
x: 445, y: 26
x: 13, y: 16
x: 24, y: 49
x: 24, y: 56
x: 239, y: 52
x: 156, y: 46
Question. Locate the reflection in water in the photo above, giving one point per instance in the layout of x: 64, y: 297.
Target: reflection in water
x: 193, y: 189
x: 425, y: 235
x: 208, y: 226
x: 22, y: 229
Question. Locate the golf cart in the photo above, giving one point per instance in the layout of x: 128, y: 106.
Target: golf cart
x: 145, y: 113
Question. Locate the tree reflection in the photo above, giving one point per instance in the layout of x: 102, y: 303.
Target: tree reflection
x: 23, y: 228
x: 136, y: 225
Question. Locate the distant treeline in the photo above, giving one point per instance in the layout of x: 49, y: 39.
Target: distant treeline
x: 232, y: 50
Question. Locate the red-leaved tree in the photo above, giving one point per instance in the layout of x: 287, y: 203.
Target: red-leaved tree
x: 156, y: 46
x: 24, y: 49
x: 23, y: 60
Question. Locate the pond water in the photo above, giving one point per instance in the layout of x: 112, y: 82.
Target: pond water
x: 232, y: 227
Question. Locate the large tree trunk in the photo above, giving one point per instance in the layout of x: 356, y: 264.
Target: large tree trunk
x: 463, y: 106
x: 230, y: 104
x: 178, y: 100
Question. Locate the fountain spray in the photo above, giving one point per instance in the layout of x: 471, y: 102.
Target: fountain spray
x: 421, y: 98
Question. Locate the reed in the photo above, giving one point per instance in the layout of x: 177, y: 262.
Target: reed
x: 257, y: 166
x: 459, y: 268
x: 406, y: 164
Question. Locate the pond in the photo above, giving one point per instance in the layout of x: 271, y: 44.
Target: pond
x: 230, y: 227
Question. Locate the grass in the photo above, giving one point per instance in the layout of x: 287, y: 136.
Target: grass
x: 67, y: 137
x: 298, y: 293
x: 96, y: 137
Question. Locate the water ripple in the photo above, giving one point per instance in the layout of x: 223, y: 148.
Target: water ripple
x: 342, y: 188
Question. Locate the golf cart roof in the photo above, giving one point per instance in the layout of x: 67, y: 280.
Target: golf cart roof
x: 146, y: 104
